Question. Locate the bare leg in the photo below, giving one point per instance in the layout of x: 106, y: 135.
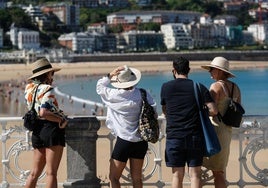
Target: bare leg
x: 177, y: 177
x: 136, y: 172
x: 195, y: 175
x: 116, y: 169
x: 219, y: 179
x: 39, y: 162
x: 53, y: 158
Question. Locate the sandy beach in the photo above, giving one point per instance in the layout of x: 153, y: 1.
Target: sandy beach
x: 22, y: 71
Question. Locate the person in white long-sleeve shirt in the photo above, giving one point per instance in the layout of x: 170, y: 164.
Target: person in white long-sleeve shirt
x: 124, y: 103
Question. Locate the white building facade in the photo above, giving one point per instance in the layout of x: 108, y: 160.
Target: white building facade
x: 259, y: 32
x: 176, y: 36
x: 28, y: 40
x: 24, y: 39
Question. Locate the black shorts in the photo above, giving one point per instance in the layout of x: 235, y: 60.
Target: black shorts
x: 123, y: 150
x: 48, y: 134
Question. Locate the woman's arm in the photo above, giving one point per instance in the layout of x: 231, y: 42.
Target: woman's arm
x: 49, y: 108
x: 51, y: 116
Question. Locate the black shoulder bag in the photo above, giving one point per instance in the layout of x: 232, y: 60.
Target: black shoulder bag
x: 31, y: 117
x: 234, y: 113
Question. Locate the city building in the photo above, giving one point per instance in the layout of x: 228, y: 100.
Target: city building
x: 34, y: 12
x: 67, y: 14
x: 18, y: 56
x: 234, y: 34
x: 1, y: 38
x: 176, y: 36
x: 141, y: 41
x: 83, y: 42
x: 234, y: 6
x: 259, y: 32
x: 23, y: 38
x: 28, y: 40
x: 98, y: 28
x: 101, y: 3
x: 248, y: 38
x: 160, y: 17
x: 226, y: 20
x: 3, y: 4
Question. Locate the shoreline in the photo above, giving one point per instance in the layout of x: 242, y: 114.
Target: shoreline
x: 13, y: 78
x: 22, y: 72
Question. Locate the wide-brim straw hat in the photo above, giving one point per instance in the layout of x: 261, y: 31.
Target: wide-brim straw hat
x: 41, y: 66
x: 127, y: 78
x: 219, y: 63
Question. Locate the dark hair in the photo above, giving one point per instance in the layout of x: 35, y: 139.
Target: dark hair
x: 181, y: 65
x: 42, y: 78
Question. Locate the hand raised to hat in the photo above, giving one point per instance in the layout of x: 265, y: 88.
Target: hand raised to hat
x: 116, y: 71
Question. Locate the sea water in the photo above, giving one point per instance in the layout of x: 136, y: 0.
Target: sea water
x: 253, y: 84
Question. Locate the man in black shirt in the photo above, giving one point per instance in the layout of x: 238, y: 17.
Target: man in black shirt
x: 184, y: 141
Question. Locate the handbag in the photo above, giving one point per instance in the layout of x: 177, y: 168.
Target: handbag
x: 31, y: 117
x: 212, y: 144
x: 234, y: 112
x: 148, y: 123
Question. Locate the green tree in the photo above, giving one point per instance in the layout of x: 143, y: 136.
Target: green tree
x: 84, y: 17
x: 192, y: 5
x: 116, y: 29
x: 21, y: 19
x: 149, y: 27
x: 5, y: 20
x: 89, y: 16
x: 213, y: 8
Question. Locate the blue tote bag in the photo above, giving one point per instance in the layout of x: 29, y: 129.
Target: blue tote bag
x: 211, y: 139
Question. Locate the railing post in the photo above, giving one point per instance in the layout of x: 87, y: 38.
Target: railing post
x: 81, y: 137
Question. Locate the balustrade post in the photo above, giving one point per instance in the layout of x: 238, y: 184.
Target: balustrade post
x: 81, y: 137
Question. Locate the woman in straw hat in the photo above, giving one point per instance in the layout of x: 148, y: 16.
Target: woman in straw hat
x: 123, y: 110
x: 48, y: 138
x: 221, y: 91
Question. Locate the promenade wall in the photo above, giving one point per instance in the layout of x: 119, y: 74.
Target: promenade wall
x: 192, y: 56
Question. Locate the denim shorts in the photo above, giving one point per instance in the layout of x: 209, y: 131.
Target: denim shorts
x: 181, y: 151
x: 123, y: 150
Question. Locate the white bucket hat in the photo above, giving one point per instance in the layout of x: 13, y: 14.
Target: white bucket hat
x: 126, y: 78
x: 41, y: 66
x: 219, y: 63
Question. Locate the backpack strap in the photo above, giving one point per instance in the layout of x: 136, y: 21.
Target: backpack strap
x: 35, y: 96
x: 232, y: 92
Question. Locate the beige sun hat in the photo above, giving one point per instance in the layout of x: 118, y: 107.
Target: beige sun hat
x: 126, y: 78
x: 41, y: 66
x: 219, y: 63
